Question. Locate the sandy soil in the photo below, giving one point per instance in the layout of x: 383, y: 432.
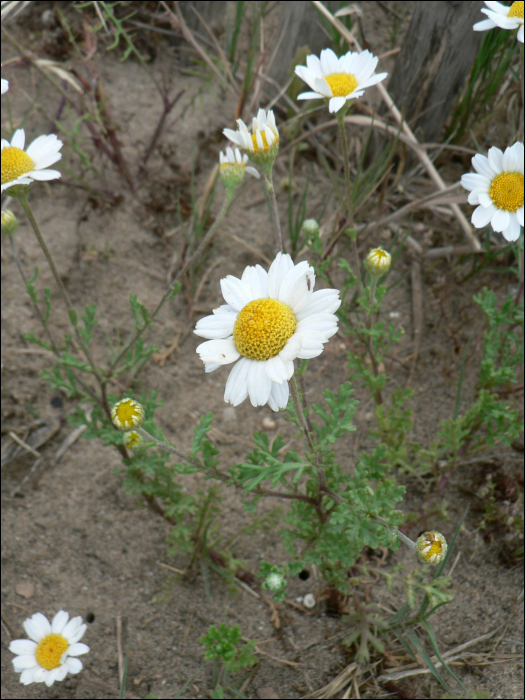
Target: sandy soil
x: 74, y: 540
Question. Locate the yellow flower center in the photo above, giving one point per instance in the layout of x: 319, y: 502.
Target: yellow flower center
x: 264, y: 140
x: 506, y: 191
x: 50, y: 650
x: 341, y: 84
x: 516, y: 10
x: 15, y: 163
x: 127, y: 414
x: 262, y: 328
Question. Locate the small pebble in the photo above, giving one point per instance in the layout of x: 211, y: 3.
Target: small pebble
x: 269, y: 423
x: 26, y: 589
x: 309, y: 600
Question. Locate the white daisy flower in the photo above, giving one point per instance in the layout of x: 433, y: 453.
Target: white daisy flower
x: 338, y: 79
x: 269, y: 319
x: 21, y: 167
x: 497, y: 186
x: 49, y: 653
x: 503, y: 16
x: 232, y: 168
x: 262, y: 144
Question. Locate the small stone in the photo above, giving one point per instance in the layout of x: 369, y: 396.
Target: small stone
x: 269, y: 423
x: 26, y: 589
x: 309, y: 600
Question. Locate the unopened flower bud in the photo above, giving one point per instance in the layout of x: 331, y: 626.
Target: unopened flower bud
x: 132, y: 440
x: 431, y: 547
x: 127, y: 414
x: 377, y: 262
x: 9, y: 222
x: 311, y: 227
x: 274, y: 581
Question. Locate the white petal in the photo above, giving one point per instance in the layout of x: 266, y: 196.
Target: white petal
x: 517, y: 150
x: 496, y: 159
x: 233, y: 136
x: 307, y: 75
x: 24, y: 661
x: 28, y: 675
x: 314, y: 64
x: 497, y: 7
x: 23, y: 646
x: 512, y: 232
x: 71, y: 629
x: 519, y: 215
x: 45, y: 175
x: 37, y: 627
x: 225, y: 309
x: 482, y: 216
x: 322, y: 301
x: 319, y: 326
x: 329, y: 62
x: 78, y: 649
x: 210, y: 367
x: 504, y: 22
x: 282, y: 264
x: 309, y: 96
x: 521, y: 34
x: 73, y: 664
x: 259, y: 384
x: 278, y: 370
x: 54, y: 675
x: 310, y: 348
x: 259, y: 140
x: 216, y: 326
x: 236, y: 389
x: 279, y: 396
x: 373, y: 80
x: 500, y: 220
x: 322, y: 87
x: 221, y: 352
x: 483, y: 25
x: 473, y: 181
x: 292, y: 348
x: 483, y: 199
x: 256, y: 279
x: 335, y: 104
x: 235, y: 292
x: 509, y: 160
x: 59, y: 621
x: 252, y: 171
x: 480, y: 163
x: 19, y: 139
x: 297, y: 286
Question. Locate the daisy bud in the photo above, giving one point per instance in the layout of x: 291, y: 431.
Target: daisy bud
x: 377, y: 262
x: 311, y: 227
x: 127, y: 414
x: 9, y: 222
x: 431, y: 547
x: 232, y: 169
x: 261, y: 143
x: 274, y: 581
x: 132, y: 440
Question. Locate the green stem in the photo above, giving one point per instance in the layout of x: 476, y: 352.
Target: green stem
x: 294, y: 392
x: 187, y: 265
x: 349, y: 205
x: 268, y: 181
x: 373, y: 286
x: 65, y: 296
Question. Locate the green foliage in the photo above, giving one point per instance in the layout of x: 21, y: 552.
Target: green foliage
x: 222, y: 643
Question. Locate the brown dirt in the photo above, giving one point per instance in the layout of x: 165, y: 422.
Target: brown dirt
x: 89, y: 548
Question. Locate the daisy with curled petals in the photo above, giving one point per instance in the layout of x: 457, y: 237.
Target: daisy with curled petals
x: 232, y: 169
x: 262, y: 143
x: 21, y: 167
x: 269, y: 319
x: 503, y: 16
x: 338, y: 79
x: 51, y: 650
x: 497, y: 186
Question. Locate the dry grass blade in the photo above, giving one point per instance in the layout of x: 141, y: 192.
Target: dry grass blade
x: 421, y: 153
x: 11, y: 9
x: 417, y: 310
x: 62, y: 73
x: 336, y: 685
x: 219, y: 51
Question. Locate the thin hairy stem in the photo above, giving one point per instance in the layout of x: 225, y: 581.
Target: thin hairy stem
x: 348, y: 189
x: 62, y: 289
x: 294, y: 392
x: 268, y: 181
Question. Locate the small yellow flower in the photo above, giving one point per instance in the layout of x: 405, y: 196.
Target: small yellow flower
x: 431, y: 547
x: 132, y: 440
x: 20, y: 166
x: 9, y: 222
x: 377, y: 262
x: 127, y: 414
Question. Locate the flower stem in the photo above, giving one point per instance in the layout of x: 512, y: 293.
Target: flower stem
x: 349, y: 205
x: 372, y: 290
x: 65, y: 296
x: 268, y: 181
x: 299, y: 411
x: 187, y: 265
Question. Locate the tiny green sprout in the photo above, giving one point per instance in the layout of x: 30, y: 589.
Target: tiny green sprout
x: 127, y: 414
